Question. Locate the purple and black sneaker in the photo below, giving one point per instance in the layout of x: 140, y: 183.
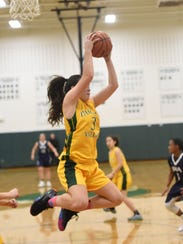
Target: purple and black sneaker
x: 41, y: 203
x: 64, y: 217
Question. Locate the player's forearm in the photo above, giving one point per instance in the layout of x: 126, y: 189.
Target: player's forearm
x: 88, y: 70
x: 9, y: 203
x: 32, y: 153
x: 112, y: 77
x: 4, y: 195
x: 4, y: 202
x: 54, y: 150
x: 169, y: 181
x: 116, y: 170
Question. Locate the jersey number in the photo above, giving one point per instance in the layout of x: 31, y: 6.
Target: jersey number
x: 178, y: 176
x: 93, y: 123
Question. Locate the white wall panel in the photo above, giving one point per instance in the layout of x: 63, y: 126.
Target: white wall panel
x: 148, y: 50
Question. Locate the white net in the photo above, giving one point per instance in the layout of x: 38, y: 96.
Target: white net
x: 24, y: 9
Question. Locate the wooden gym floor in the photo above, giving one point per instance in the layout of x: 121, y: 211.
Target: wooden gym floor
x: 17, y: 226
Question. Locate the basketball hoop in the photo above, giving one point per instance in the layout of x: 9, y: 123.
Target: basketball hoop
x: 24, y: 9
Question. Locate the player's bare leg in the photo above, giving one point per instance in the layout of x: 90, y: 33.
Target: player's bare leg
x: 41, y: 176
x: 76, y: 200
x: 48, y: 176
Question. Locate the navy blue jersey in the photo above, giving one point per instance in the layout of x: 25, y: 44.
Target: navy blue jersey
x: 176, y: 164
x: 43, y: 150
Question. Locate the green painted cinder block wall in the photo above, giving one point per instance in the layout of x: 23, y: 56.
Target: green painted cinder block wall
x: 137, y: 142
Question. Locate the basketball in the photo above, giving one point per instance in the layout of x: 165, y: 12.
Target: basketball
x: 103, y: 46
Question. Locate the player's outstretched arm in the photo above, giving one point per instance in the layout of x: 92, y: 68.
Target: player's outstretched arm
x: 87, y: 74
x: 9, y: 203
x: 34, y: 151
x: 53, y: 149
x: 103, y: 95
x: 71, y: 98
x: 170, y: 178
x: 10, y: 194
x: 119, y: 164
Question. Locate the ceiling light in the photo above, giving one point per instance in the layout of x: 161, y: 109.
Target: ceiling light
x: 110, y: 18
x: 15, y: 24
x: 2, y: 3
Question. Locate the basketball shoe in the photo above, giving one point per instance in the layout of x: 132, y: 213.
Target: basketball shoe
x: 135, y: 217
x: 64, y: 217
x: 180, y: 229
x: 41, y: 203
x: 112, y: 210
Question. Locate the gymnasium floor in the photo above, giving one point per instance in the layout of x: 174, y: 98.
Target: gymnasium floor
x: 93, y: 226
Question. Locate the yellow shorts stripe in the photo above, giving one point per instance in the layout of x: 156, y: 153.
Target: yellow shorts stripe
x: 122, y: 181
x: 70, y: 173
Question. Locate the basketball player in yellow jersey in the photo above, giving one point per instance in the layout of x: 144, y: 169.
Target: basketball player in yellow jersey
x: 78, y: 169
x: 120, y: 175
x: 1, y: 240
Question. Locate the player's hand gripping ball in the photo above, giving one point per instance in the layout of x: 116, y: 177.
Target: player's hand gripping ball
x: 102, y: 46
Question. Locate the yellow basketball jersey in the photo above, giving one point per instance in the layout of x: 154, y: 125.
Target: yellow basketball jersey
x: 113, y: 160
x: 82, y: 132
x: 1, y: 240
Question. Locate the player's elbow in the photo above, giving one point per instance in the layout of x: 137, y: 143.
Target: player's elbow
x: 88, y: 76
x: 88, y: 73
x: 114, y: 87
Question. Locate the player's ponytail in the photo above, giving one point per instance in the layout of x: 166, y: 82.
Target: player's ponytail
x: 55, y: 97
x: 57, y: 89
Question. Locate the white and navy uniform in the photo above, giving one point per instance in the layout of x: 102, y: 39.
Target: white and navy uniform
x: 43, y: 154
x: 176, y: 164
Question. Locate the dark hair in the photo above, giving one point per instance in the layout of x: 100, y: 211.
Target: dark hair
x: 57, y: 89
x: 116, y: 140
x: 179, y: 142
